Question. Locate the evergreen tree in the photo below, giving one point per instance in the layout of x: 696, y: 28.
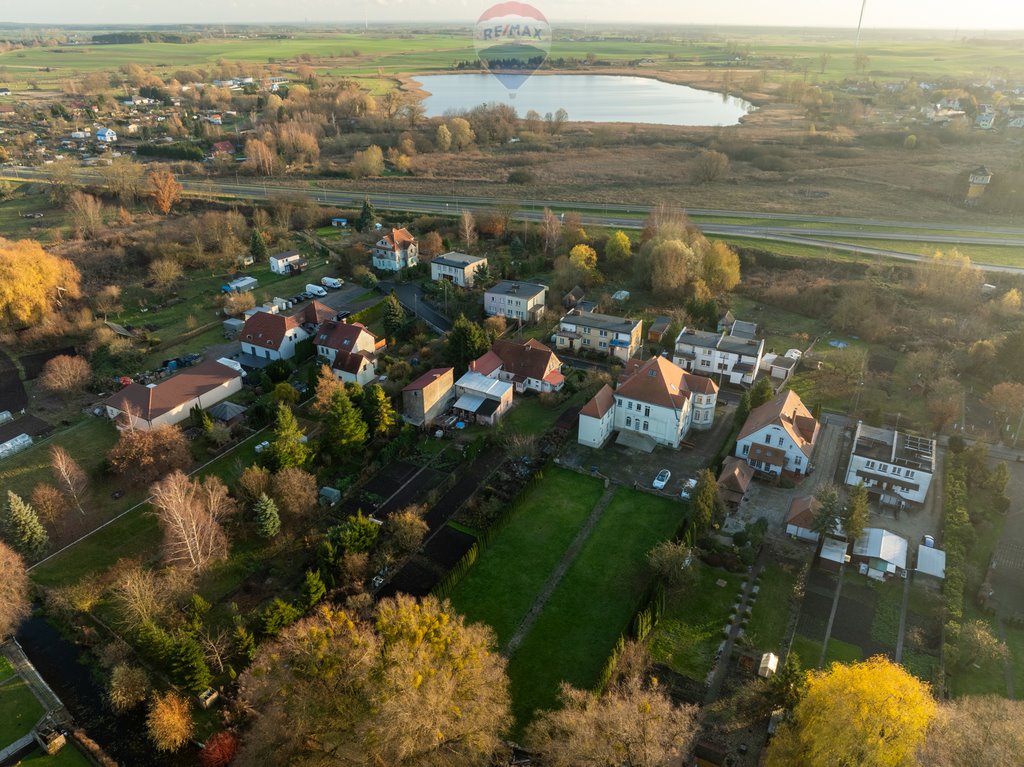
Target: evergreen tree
x: 380, y: 413
x: 743, y: 409
x: 787, y: 685
x: 393, y: 316
x: 313, y: 589
x: 258, y: 246
x: 245, y: 643
x: 707, y: 506
x: 268, y: 521
x: 287, y: 450
x: 761, y: 393
x: 826, y: 519
x: 22, y: 529
x: 344, y: 425
x: 189, y: 665
x: 367, y: 216
x: 855, y: 519
x: 466, y: 342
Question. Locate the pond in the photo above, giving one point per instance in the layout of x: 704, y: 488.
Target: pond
x: 587, y: 98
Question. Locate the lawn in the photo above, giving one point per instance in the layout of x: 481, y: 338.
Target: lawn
x: 593, y: 604
x: 842, y: 652
x: 808, y: 650
x: 767, y: 627
x: 504, y: 581
x: 69, y: 756
x: 19, y: 710
x: 14, y: 225
x: 695, y: 616
x: 531, y: 416
x: 6, y: 669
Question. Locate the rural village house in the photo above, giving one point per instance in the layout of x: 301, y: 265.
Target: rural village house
x: 457, y: 268
x: 522, y: 301
x: 268, y: 335
x: 734, y: 356
x: 779, y: 436
x: 526, y: 364
x: 589, y: 331
x: 734, y: 481
x: 896, y: 467
x: 395, y: 250
x: 350, y: 349
x: 289, y: 262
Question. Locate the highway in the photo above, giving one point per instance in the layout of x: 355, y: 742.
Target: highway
x: 817, y: 231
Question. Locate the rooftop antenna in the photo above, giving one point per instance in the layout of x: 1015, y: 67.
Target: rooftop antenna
x: 860, y: 21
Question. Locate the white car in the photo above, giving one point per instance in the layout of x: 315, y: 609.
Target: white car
x: 316, y: 290
x: 688, y: 488
x: 662, y: 479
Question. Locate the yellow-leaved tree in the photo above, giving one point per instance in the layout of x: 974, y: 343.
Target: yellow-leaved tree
x: 33, y: 283
x: 870, y: 714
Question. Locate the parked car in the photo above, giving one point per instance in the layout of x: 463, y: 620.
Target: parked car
x: 688, y: 488
x: 662, y: 479
x: 332, y: 282
x: 316, y: 290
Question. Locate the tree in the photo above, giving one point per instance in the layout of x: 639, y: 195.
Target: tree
x: 706, y: 504
x: 824, y: 58
x: 551, y: 231
x: 62, y: 180
x: 294, y: 491
x: 164, y: 189
x: 857, y: 514
x: 188, y: 664
x: 786, y: 686
x: 670, y: 562
x: 190, y: 514
x: 417, y: 687
x: 33, y: 283
x: 884, y: 713
x: 169, y: 722
x: 357, y: 534
x: 467, y: 229
x: 344, y: 426
x: 49, y: 502
x: 762, y: 393
x: 945, y: 402
x: 165, y: 273
x: 618, y: 250
x: 495, y: 327
x: 405, y: 531
x: 259, y: 157
x: 368, y: 162
x: 975, y: 644
x: 139, y: 597
x: 710, y: 166
x: 583, y: 257
x: 288, y: 450
x: 393, y: 316
x: 14, y: 601
x: 634, y: 724
x: 978, y: 730
x: 443, y: 138
x: 21, y: 528
x: 1006, y: 401
x: 253, y: 482
x: 219, y: 750
x: 144, y: 455
x: 65, y: 374
x: 367, y: 216
x: 86, y: 213
x: 123, y: 178
x: 268, y: 523
x: 466, y: 342
x: 666, y: 266
x: 431, y: 245
x: 380, y: 414
x: 286, y: 393
x: 129, y: 686
x: 68, y: 475
x: 861, y: 61
x: 461, y: 132
x: 826, y: 518
x: 721, y: 267
x: 258, y: 246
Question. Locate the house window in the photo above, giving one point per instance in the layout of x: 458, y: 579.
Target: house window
x: 768, y: 440
x: 745, y: 449
x: 603, y: 334
x: 705, y: 363
x: 629, y: 421
x: 798, y: 460
x: 909, y: 474
x: 871, y: 464
x: 646, y: 426
x: 629, y: 406
x: 647, y: 411
x: 586, y: 342
x: 897, y: 471
x: 602, y: 344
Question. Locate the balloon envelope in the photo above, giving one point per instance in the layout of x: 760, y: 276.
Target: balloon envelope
x: 512, y: 40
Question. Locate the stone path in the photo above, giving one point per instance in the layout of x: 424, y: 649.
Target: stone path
x: 718, y: 673
x: 560, y: 570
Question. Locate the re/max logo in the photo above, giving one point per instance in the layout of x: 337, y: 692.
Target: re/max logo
x: 513, y: 30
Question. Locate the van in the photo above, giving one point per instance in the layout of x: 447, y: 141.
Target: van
x: 315, y: 290
x: 332, y: 282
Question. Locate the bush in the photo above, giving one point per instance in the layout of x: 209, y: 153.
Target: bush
x: 520, y: 176
x: 278, y: 371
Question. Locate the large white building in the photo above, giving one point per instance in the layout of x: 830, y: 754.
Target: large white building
x: 779, y: 436
x: 656, y: 403
x: 733, y: 355
x: 269, y: 335
x: 516, y: 301
x: 896, y: 467
x: 457, y: 268
x: 395, y: 251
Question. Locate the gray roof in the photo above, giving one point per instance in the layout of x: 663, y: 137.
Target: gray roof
x: 741, y: 329
x: 740, y: 345
x: 457, y: 260
x: 698, y: 338
x: 225, y: 411
x: 520, y: 289
x: 601, y: 321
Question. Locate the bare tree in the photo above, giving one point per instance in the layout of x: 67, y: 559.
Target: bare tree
x: 86, y: 214
x: 14, y: 604
x: 551, y: 229
x: 216, y: 646
x: 169, y: 722
x: 69, y: 476
x: 65, y: 373
x: 467, y: 229
x: 190, y: 514
x: 165, y: 272
x: 138, y: 596
x: 129, y: 686
x: 980, y: 730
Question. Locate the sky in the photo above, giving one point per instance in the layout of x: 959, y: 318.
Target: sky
x: 883, y: 14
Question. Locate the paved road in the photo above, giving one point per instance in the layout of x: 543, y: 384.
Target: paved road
x: 411, y: 297
x: 630, y: 216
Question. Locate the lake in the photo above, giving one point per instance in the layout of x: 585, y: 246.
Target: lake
x: 587, y: 98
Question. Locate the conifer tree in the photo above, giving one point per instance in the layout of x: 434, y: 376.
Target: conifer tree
x: 345, y: 426
x: 268, y: 521
x: 288, y: 450
x: 22, y: 529
x: 313, y: 589
x: 380, y: 413
x: 258, y: 246
x: 367, y: 216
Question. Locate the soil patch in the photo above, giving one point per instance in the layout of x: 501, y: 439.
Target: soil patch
x: 13, y: 396
x: 814, y: 616
x: 415, y: 579
x: 853, y: 626
x: 418, y: 486
x: 448, y: 547
x: 33, y: 363
x: 467, y: 484
x: 28, y: 424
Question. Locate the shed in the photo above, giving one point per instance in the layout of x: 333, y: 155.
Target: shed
x: 227, y: 412
x: 768, y: 666
x: 658, y: 329
x: 233, y: 326
x: 931, y: 562
x: 833, y: 554
x: 329, y: 496
x: 339, y: 222
x: 620, y: 295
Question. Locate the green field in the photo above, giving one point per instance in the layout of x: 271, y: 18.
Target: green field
x: 767, y: 627
x: 523, y: 554
x: 694, y: 620
x: 19, y: 710
x: 593, y: 604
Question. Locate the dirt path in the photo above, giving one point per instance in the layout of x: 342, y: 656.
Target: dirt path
x: 903, y: 620
x: 560, y: 570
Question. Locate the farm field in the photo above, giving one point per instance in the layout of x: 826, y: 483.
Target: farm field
x: 593, y: 604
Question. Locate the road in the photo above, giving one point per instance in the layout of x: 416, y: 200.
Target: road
x: 410, y: 295
x: 631, y: 216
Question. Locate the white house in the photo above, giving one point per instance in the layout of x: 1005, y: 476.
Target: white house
x: 880, y: 553
x: 604, y: 333
x: 288, y: 262
x: 516, y: 301
x: 896, y: 467
x: 525, y: 364
x: 171, y: 401
x: 271, y: 336
x: 482, y: 399
x: 779, y: 436
x: 395, y: 250
x: 734, y: 355
x: 106, y: 135
x: 350, y: 349
x: 457, y: 268
x: 800, y: 518
x: 656, y: 403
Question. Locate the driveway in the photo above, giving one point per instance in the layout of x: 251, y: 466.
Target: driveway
x: 411, y: 296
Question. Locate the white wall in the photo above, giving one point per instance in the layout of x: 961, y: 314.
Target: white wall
x: 594, y: 432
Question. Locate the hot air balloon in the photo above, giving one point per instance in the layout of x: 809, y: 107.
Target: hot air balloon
x: 512, y: 40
